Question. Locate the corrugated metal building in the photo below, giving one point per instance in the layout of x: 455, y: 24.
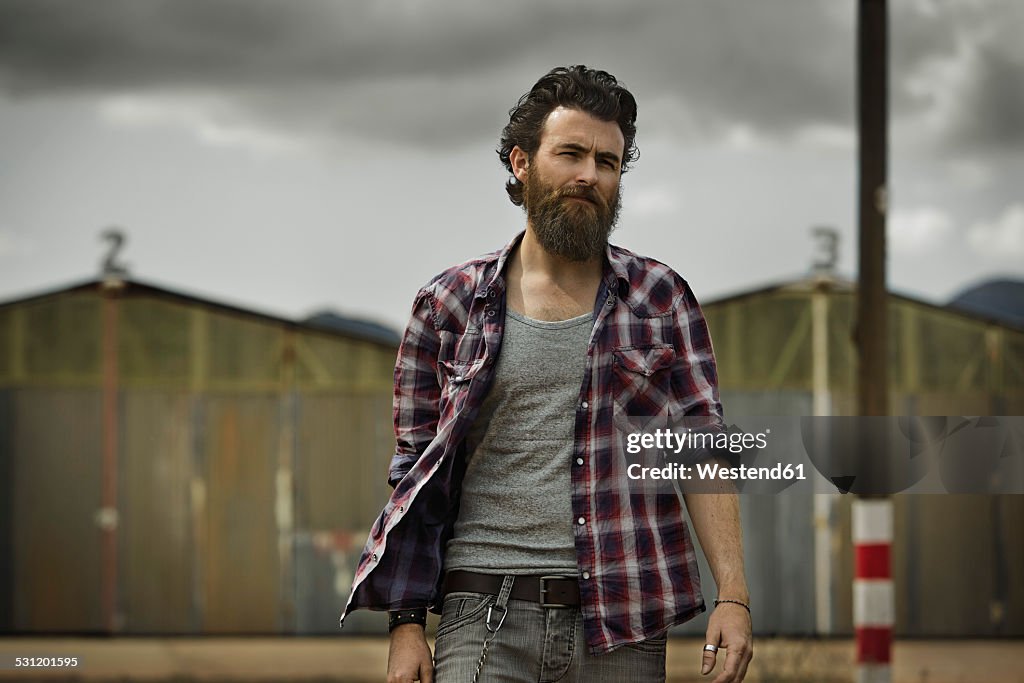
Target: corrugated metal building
x: 172, y: 465
x: 958, y: 560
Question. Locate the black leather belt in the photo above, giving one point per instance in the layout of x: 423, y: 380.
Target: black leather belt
x: 549, y: 591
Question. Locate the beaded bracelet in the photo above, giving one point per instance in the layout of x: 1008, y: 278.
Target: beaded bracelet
x: 735, y: 602
x: 406, y: 616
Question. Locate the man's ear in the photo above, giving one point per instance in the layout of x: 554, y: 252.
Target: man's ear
x: 520, y: 161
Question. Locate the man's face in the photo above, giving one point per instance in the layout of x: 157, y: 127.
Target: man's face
x: 572, y: 192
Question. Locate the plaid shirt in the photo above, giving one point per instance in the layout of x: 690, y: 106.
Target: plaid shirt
x: 650, y: 354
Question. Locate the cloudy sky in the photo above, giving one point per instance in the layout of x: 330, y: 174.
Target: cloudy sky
x: 290, y: 157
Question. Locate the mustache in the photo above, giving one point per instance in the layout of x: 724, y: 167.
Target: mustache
x: 582, y: 192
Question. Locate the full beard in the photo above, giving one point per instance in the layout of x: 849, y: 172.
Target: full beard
x: 573, y: 230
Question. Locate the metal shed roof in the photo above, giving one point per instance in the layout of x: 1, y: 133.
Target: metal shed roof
x: 355, y: 329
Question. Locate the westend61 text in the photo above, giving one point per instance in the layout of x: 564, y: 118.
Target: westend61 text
x: 713, y: 471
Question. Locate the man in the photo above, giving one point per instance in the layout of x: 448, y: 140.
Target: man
x: 508, y: 514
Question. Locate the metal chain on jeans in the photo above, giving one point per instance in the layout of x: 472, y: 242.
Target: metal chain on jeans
x: 500, y: 605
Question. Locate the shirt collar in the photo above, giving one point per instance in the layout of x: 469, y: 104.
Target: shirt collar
x: 614, y: 268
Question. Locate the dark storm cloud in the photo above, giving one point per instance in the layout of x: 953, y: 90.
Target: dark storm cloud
x: 423, y: 71
x: 433, y: 72
x: 54, y: 44
x: 962, y: 60
x: 993, y: 114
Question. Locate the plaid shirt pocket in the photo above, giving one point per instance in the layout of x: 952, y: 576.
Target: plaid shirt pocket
x: 642, y: 385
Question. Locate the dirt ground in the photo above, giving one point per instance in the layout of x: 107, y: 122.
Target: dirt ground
x: 362, y: 660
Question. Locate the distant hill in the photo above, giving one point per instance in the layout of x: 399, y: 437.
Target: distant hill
x: 999, y: 299
x: 331, y: 320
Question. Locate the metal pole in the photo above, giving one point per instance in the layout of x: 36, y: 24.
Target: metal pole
x: 872, y: 122
x: 872, y: 518
x: 824, y: 504
x: 284, y: 509
x: 107, y: 517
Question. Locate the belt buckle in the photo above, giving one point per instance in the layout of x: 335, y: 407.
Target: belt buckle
x: 544, y: 592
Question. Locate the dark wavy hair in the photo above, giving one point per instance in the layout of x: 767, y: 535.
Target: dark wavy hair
x: 594, y: 92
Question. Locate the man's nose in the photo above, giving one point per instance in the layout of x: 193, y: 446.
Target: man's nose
x: 586, y: 174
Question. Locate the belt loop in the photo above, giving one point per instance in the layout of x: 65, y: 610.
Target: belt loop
x: 501, y: 605
x: 506, y: 590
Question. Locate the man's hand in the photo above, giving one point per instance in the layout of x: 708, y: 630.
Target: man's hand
x: 729, y: 628
x: 409, y: 656
x: 716, y: 517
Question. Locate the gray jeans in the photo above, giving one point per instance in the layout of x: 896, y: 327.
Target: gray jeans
x: 533, y: 645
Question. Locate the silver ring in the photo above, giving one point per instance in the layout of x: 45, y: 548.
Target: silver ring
x: 710, y: 648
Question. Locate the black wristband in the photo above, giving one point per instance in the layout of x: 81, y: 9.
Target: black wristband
x: 407, y: 616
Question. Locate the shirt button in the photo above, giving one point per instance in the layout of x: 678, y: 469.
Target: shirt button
x: 581, y: 521
x: 458, y: 378
x: 579, y: 461
x: 490, y: 293
x: 611, y: 301
x: 374, y: 558
x: 490, y: 313
x: 586, y: 575
x: 585, y: 405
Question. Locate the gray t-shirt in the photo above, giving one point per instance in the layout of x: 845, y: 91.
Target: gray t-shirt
x: 515, y: 514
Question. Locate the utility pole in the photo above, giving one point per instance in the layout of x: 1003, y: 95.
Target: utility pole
x: 873, y: 608
x: 873, y: 201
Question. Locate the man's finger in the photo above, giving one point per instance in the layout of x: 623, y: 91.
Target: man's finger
x: 426, y: 673
x: 745, y: 662
x: 737, y: 657
x: 707, y: 662
x: 732, y: 660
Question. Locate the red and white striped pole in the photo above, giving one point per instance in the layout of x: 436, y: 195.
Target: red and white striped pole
x: 873, y: 599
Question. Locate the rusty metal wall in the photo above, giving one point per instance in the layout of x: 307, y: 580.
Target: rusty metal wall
x: 346, y: 443
x: 239, y: 554
x: 242, y: 353
x: 156, y: 520
x: 957, y: 573
x: 155, y: 342
x: 215, y: 410
x: 56, y: 492
x: 774, y: 357
x: 762, y: 343
x: 61, y: 338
